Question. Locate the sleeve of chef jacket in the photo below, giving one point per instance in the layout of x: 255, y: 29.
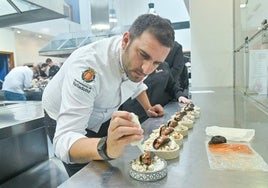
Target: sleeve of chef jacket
x: 176, y: 60
x: 77, y: 104
x: 174, y: 89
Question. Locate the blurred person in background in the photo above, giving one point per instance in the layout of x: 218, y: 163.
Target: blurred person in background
x: 18, y: 79
x: 175, y: 59
x: 53, y: 69
x: 184, y: 81
x: 178, y: 68
x: 36, y: 71
x: 43, y: 70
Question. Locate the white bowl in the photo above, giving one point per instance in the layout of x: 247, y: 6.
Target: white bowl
x: 188, y: 123
x: 150, y: 175
x: 163, y: 152
x: 182, y: 130
x: 178, y: 141
x: 172, y: 154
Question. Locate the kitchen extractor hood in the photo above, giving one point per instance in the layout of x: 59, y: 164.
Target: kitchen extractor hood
x: 18, y: 12
x: 64, y: 44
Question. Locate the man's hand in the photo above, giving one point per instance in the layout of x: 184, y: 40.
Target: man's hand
x: 122, y: 132
x: 184, y: 100
x: 155, y: 111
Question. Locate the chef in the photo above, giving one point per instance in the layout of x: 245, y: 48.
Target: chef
x: 94, y: 81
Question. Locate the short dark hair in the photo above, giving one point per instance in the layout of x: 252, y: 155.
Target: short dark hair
x: 44, y: 65
x: 156, y: 25
x: 48, y: 60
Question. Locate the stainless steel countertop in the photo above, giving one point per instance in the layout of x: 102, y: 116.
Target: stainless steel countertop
x: 48, y: 174
x: 219, y: 106
x: 15, y: 112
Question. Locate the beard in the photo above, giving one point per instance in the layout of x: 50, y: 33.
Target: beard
x: 134, y: 74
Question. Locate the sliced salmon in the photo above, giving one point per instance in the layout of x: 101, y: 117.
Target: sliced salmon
x: 227, y: 148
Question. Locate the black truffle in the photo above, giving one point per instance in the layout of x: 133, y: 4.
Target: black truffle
x: 217, y: 140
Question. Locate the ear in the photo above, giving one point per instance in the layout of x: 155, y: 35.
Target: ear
x: 125, y: 40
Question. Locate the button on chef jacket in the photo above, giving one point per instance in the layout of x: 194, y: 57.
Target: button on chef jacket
x: 78, y: 104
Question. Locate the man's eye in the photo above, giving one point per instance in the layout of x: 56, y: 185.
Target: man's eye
x: 144, y: 55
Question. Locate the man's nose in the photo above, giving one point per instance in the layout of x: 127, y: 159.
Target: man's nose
x: 147, y: 67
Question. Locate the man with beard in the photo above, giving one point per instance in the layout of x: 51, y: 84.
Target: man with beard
x: 91, y: 85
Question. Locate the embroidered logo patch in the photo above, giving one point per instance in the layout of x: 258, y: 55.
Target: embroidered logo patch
x: 160, y: 70
x: 88, y: 75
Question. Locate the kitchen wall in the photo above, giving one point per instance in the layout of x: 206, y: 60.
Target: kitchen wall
x: 7, y: 44
x: 27, y: 46
x: 212, y: 43
x: 7, y: 39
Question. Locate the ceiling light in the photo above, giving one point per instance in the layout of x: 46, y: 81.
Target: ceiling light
x: 100, y: 27
x: 243, y: 5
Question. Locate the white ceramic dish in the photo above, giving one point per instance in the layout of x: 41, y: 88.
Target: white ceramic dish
x: 150, y: 175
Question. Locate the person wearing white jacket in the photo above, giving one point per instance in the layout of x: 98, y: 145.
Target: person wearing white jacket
x: 91, y: 85
x: 18, y: 79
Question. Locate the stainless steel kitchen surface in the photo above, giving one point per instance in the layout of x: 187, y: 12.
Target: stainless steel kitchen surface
x: 219, y: 107
x: 15, y: 112
x: 26, y: 156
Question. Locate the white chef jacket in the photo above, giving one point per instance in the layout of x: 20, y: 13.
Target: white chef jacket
x: 77, y: 104
x: 18, y: 79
